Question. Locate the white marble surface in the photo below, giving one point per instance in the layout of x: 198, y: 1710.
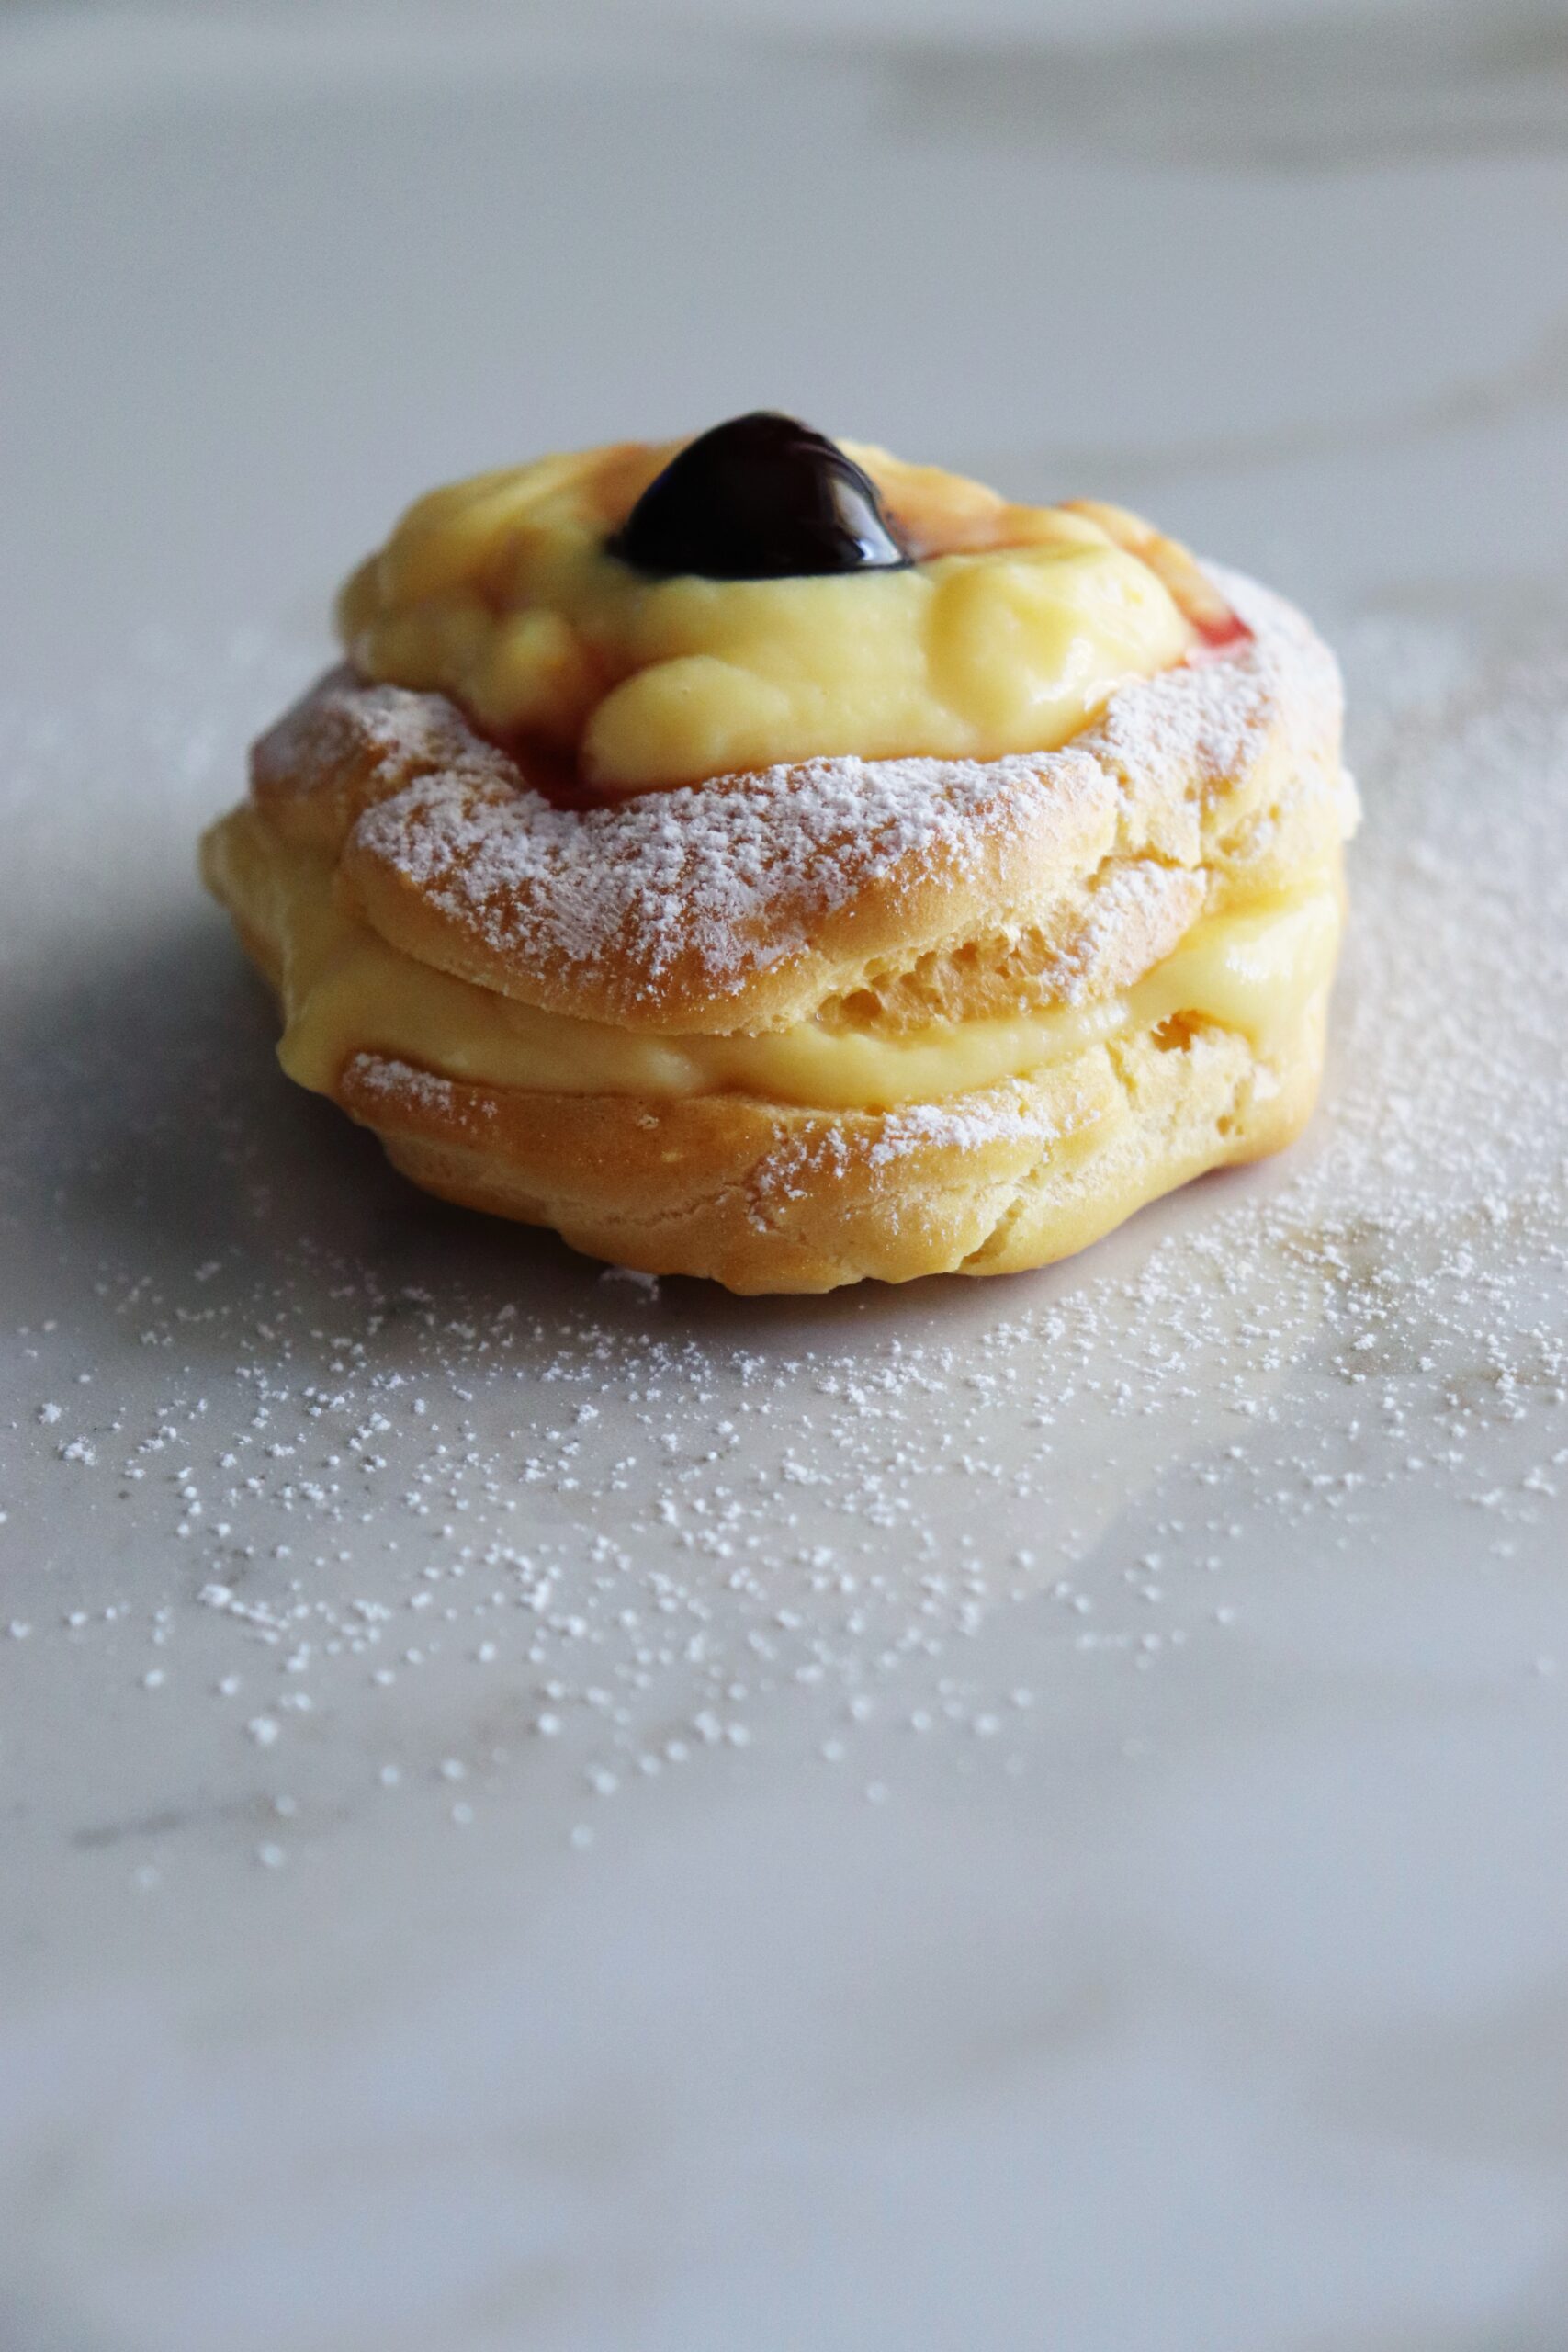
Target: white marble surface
x: 1102, y: 1885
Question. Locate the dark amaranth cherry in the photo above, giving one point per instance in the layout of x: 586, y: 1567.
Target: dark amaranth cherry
x: 759, y: 498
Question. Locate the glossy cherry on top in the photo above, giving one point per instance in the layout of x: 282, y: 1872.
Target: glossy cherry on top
x: 762, y: 497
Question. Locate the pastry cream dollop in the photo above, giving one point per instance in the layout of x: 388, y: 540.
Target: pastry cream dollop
x: 1253, y: 969
x: 1007, y: 632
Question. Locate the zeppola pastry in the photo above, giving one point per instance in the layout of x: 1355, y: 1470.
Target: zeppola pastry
x: 760, y: 858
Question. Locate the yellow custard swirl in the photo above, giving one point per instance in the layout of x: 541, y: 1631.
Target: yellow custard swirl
x: 499, y: 592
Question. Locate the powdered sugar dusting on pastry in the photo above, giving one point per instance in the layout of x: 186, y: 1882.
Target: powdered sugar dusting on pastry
x: 1000, y: 1115
x: 729, y: 880
x: 693, y: 877
x: 342, y: 719
x: 423, y: 1090
x: 1138, y: 908
x: 1206, y: 716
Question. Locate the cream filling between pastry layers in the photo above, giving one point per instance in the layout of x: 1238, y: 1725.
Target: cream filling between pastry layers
x: 345, y: 990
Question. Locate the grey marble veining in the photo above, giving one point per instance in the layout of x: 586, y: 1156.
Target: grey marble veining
x: 1325, y: 91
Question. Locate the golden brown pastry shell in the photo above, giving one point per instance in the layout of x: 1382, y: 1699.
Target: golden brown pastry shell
x: 1022, y: 883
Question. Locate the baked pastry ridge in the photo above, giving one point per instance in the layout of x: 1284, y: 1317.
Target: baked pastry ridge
x: 834, y: 1016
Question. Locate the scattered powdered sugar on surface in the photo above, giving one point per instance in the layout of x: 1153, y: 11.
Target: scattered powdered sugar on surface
x: 318, y: 1497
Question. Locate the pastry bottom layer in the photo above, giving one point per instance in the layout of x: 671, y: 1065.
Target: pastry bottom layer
x: 767, y: 1197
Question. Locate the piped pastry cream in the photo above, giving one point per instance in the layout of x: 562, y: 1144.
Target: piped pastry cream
x: 512, y: 594
x: 927, y: 908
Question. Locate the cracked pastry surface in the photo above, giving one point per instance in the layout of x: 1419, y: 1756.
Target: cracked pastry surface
x: 833, y: 1016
